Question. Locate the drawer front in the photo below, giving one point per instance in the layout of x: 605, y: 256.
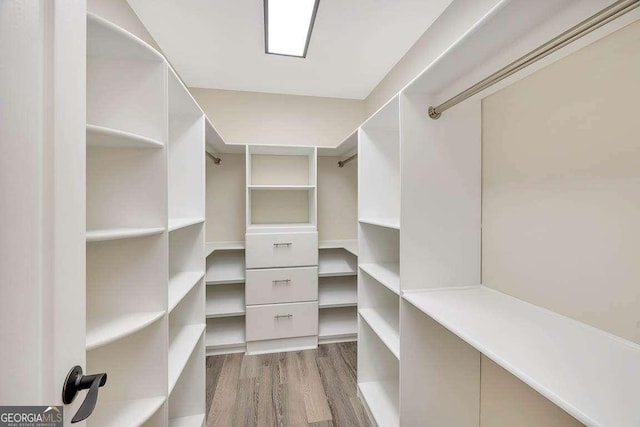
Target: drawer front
x: 266, y: 322
x: 277, y: 285
x: 281, y: 249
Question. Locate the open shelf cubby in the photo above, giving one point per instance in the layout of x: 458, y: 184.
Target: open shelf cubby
x: 186, y: 326
x: 281, y: 185
x: 125, y: 287
x: 126, y: 87
x: 378, y: 378
x: 337, y: 324
x: 187, y: 402
x: 337, y: 291
x: 225, y: 266
x: 225, y: 335
x: 185, y: 164
x: 186, y: 250
x: 379, y: 167
x: 127, y: 400
x: 125, y: 192
x: 225, y: 300
x: 336, y: 262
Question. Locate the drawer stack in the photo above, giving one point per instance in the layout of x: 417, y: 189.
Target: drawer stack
x: 281, y: 291
x: 281, y: 249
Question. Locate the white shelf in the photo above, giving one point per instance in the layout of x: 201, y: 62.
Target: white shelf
x: 128, y: 413
x: 225, y: 301
x: 106, y: 40
x: 104, y: 331
x: 100, y: 136
x: 336, y: 262
x: 226, y: 267
x: 211, y: 247
x: 281, y: 187
x: 592, y: 375
x: 121, y: 233
x: 387, y: 273
x: 338, y: 323
x: 337, y: 294
x: 178, y: 223
x: 382, y: 222
x: 384, y: 322
x: 381, y: 398
x: 225, y: 332
x: 189, y: 421
x: 180, y: 285
x: 348, y: 245
x: 182, y: 342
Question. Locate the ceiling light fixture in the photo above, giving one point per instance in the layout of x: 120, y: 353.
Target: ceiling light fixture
x: 288, y: 25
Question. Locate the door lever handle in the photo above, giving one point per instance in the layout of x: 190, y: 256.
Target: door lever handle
x: 76, y: 382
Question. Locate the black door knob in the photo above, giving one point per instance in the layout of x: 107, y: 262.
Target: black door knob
x: 76, y: 382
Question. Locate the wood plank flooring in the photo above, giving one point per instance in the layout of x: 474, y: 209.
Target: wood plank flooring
x: 304, y: 388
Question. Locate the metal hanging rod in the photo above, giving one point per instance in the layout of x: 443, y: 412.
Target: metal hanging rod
x: 590, y: 24
x: 216, y: 160
x: 341, y: 163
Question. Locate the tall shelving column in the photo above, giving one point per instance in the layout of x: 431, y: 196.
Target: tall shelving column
x: 338, y: 259
x: 225, y: 306
x: 378, y: 262
x: 186, y: 181
x: 337, y: 291
x: 225, y: 273
x: 145, y: 235
x: 126, y: 226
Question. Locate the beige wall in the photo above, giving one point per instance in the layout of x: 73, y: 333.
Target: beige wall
x: 561, y: 197
x: 262, y: 118
x: 120, y: 13
x: 225, y: 211
x: 337, y: 199
x: 450, y: 26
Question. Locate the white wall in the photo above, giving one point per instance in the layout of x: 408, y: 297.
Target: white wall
x: 261, y: 118
x: 561, y: 202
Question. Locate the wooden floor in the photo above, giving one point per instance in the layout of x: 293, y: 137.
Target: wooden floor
x: 304, y: 388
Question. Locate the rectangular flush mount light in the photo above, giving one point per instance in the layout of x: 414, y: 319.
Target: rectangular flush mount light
x: 288, y: 25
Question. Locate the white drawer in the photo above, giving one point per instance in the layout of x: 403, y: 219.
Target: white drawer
x: 266, y: 322
x: 277, y: 285
x: 264, y: 250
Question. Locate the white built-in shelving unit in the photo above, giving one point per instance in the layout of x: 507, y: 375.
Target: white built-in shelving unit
x: 281, y: 188
x: 225, y: 301
x: 337, y: 291
x: 145, y: 235
x: 283, y: 179
x: 379, y: 258
x: 426, y: 325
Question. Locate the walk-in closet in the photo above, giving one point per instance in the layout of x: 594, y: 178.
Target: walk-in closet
x: 316, y: 213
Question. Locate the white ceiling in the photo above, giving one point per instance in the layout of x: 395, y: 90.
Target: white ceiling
x: 220, y: 44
